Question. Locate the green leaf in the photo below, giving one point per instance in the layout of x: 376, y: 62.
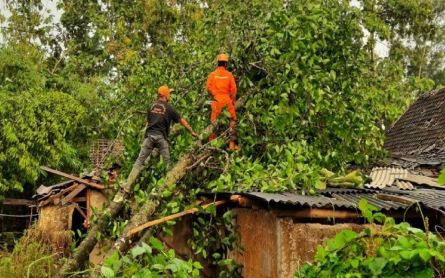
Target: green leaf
x: 321, y: 185
x: 156, y: 244
x: 354, y: 263
x: 137, y: 251
x: 441, y: 178
x: 376, y: 265
x: 407, y: 255
x: 107, y: 272
x: 425, y: 254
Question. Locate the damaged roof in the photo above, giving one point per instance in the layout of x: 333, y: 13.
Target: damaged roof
x: 418, y: 136
x: 387, y: 199
x: 389, y: 189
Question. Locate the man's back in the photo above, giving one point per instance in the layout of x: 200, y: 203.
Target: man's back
x: 221, y: 82
x: 159, y: 118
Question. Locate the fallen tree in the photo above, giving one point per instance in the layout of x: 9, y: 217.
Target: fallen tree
x: 175, y: 174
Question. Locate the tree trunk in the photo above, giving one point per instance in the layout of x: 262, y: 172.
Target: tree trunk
x: 150, y: 206
x: 81, y: 255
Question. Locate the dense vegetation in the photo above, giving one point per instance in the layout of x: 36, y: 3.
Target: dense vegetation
x: 388, y: 250
x: 317, y: 93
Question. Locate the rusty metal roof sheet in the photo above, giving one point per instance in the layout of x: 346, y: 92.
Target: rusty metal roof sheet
x: 419, y: 133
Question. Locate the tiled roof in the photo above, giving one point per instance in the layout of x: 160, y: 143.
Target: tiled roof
x: 419, y: 133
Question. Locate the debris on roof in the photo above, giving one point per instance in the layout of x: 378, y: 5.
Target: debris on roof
x: 384, y: 176
x: 400, y: 178
x: 386, y: 199
x: 418, y: 137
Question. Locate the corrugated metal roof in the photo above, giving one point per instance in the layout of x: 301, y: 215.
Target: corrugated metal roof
x: 383, y: 177
x: 297, y: 199
x: 431, y: 198
x: 373, y: 200
x: 406, y: 185
x: 348, y: 198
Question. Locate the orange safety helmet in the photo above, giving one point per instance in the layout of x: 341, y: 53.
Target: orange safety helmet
x: 165, y: 91
x: 222, y: 57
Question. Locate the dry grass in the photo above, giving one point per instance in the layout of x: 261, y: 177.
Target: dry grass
x: 31, y: 257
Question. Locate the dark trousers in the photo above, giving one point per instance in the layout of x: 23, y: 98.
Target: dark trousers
x: 153, y: 141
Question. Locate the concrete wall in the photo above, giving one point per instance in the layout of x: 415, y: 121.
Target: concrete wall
x: 277, y: 247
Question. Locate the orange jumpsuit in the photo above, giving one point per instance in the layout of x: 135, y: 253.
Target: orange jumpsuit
x: 221, y: 85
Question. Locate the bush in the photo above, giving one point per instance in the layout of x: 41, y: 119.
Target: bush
x: 394, y: 250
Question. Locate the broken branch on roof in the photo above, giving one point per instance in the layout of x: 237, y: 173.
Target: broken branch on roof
x: 71, y: 177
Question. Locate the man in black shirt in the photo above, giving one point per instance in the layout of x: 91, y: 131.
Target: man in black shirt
x: 159, y: 118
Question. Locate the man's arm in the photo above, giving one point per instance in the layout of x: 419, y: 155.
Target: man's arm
x: 185, y: 124
x: 209, y: 85
x: 233, y: 88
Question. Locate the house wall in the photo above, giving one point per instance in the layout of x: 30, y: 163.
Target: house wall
x: 277, y: 247
x: 258, y: 232
x: 55, y: 224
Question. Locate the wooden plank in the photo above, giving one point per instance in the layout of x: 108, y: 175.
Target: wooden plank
x: 18, y: 202
x: 74, y: 193
x: 168, y: 218
x: 76, y: 206
x: 71, y: 177
x: 79, y: 199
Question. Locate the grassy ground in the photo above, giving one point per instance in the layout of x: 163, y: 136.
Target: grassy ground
x: 31, y: 257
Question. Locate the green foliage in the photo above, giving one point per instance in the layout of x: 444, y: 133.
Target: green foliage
x: 20, y: 69
x: 390, y: 250
x: 441, y: 179
x: 149, y: 260
x: 213, y: 238
x: 316, y: 95
x: 35, y: 129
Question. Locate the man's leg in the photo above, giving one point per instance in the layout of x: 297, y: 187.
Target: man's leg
x: 146, y: 149
x: 215, y: 112
x: 233, y: 136
x: 162, y: 145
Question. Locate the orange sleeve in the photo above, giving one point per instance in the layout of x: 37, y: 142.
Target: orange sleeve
x: 210, y: 87
x: 232, y: 87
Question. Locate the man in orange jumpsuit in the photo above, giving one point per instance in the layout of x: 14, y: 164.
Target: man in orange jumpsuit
x: 221, y: 85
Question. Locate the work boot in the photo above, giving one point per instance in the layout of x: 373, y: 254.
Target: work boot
x: 134, y: 174
x: 233, y: 146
